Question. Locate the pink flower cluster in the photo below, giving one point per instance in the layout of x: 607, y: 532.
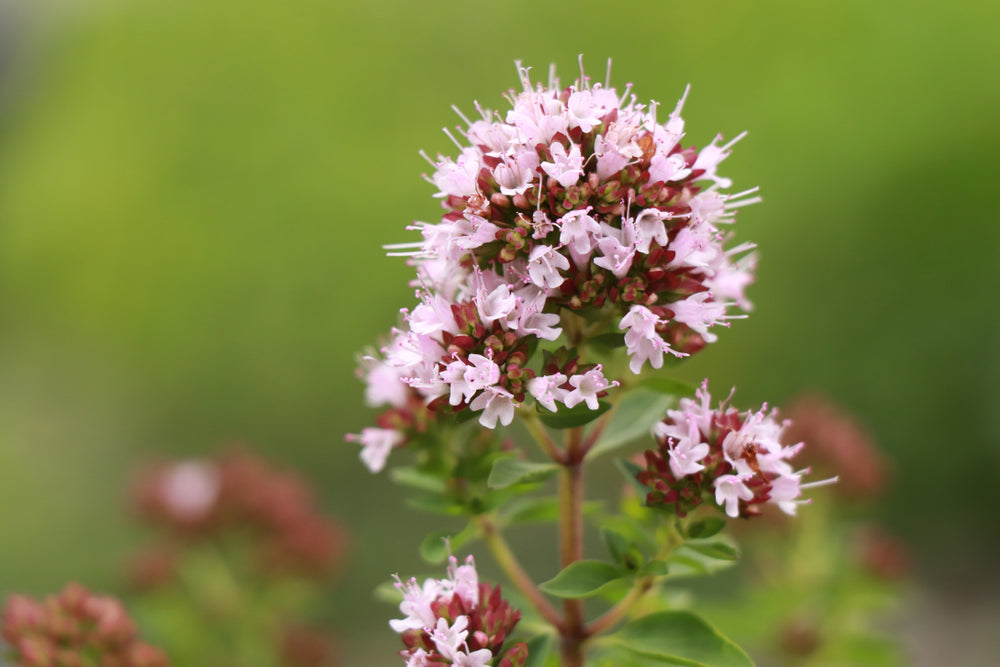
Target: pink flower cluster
x: 74, y: 628
x: 578, y: 200
x: 737, y: 458
x: 456, y: 621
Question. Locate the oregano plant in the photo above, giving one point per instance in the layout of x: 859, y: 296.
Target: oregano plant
x: 583, y: 247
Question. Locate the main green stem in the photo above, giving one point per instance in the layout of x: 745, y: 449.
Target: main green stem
x: 573, y: 633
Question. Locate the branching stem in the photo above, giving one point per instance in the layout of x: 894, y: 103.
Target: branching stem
x: 541, y: 436
x: 509, y: 563
x: 612, y: 616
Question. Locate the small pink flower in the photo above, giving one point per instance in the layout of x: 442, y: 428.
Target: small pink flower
x: 544, y: 265
x: 699, y: 313
x: 668, y: 168
x: 547, y: 390
x: 463, y: 580
x: 642, y: 342
x: 649, y: 227
x: 729, y: 491
x: 449, y: 639
x: 566, y: 167
x: 376, y: 444
x: 578, y: 230
x: 189, y: 489
x: 497, y: 405
x: 586, y: 387
x: 416, y: 604
x: 685, y: 457
x: 515, y: 174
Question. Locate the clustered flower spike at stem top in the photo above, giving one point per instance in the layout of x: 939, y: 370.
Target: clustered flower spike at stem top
x: 580, y: 236
x: 579, y: 201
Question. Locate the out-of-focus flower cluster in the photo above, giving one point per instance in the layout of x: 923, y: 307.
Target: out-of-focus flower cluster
x: 235, y: 494
x: 578, y: 201
x: 74, y: 629
x: 735, y: 458
x: 457, y: 621
x: 838, y: 442
x: 303, y: 646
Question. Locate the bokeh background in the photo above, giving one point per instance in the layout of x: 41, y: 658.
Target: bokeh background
x: 194, y: 195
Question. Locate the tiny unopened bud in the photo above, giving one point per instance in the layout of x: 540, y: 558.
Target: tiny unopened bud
x: 500, y: 200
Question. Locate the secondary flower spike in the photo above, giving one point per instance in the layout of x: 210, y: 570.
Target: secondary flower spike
x: 578, y: 201
x: 736, y: 459
x: 457, y: 621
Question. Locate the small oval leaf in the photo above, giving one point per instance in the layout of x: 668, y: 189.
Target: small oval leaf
x: 434, y: 548
x: 616, y: 543
x: 435, y: 504
x: 670, y: 386
x: 706, y: 528
x: 578, y: 415
x: 581, y: 579
x: 508, y: 472
x: 535, y: 510
x: 688, y: 562
x: 417, y: 479
x: 538, y: 650
x: 654, y: 568
x: 681, y: 638
x: 716, y: 550
x: 637, y: 412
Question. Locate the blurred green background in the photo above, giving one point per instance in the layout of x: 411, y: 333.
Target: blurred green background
x: 194, y: 195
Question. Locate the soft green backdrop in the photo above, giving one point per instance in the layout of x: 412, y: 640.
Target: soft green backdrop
x: 193, y: 196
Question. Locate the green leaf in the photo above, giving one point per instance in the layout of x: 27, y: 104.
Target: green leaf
x: 608, y: 341
x: 533, y: 510
x: 706, y: 527
x: 508, y: 472
x: 581, y: 579
x: 637, y: 412
x: 434, y: 548
x: 572, y: 417
x: 417, y: 479
x: 629, y: 470
x: 688, y: 562
x: 681, y: 638
x: 436, y: 504
x: 386, y: 591
x: 617, y: 544
x: 654, y: 568
x: 716, y: 550
x: 538, y: 650
x: 670, y: 386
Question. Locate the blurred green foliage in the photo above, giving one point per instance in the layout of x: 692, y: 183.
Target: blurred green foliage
x: 193, y: 196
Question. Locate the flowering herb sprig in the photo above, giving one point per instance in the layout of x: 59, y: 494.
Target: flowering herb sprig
x: 582, y: 243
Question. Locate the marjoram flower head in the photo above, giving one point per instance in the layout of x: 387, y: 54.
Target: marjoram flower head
x: 736, y: 458
x: 579, y: 212
x: 458, y: 621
